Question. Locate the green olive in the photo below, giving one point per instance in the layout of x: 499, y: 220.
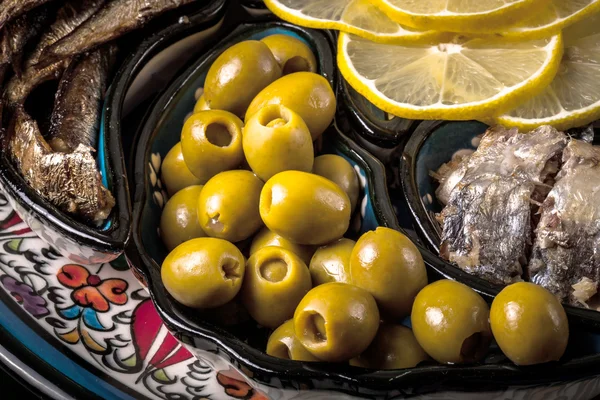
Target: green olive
x: 331, y: 263
x: 175, y: 174
x: 284, y: 344
x: 203, y: 272
x: 529, y: 324
x: 338, y: 170
x: 394, y: 347
x: 306, y: 93
x: 211, y: 142
x: 276, y: 280
x: 305, y: 208
x: 265, y: 238
x: 201, y: 105
x: 238, y: 75
x: 389, y: 266
x: 336, y: 321
x: 276, y: 139
x: 179, y: 219
x: 228, y: 205
x: 291, y: 53
x: 451, y: 322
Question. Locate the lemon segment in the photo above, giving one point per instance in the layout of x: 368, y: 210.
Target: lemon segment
x: 459, y: 15
x: 472, y: 79
x: 573, y: 97
x: 358, y: 17
x: 551, y: 19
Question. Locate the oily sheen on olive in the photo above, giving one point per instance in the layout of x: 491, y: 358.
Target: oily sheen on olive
x: 179, y: 219
x: 284, y: 344
x: 291, y: 54
x: 451, y: 322
x: 275, y: 282
x: 276, y: 139
x: 331, y: 263
x: 339, y: 171
x: 211, y: 142
x: 203, y: 272
x: 529, y: 324
x: 336, y: 321
x: 175, y: 174
x: 305, y: 208
x: 265, y: 238
x: 238, y: 75
x: 306, y: 93
x: 228, y: 205
x: 390, y: 267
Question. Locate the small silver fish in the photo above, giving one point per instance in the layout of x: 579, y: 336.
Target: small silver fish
x: 70, y: 181
x: 11, y: 9
x: 69, y: 16
x: 566, y: 257
x: 112, y: 21
x: 78, y: 103
x: 487, y: 228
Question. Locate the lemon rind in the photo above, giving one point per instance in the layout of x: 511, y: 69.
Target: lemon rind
x: 480, y: 22
x: 496, y: 105
x: 296, y: 17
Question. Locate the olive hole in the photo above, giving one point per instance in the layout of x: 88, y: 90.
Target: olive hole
x: 296, y: 64
x: 218, y: 135
x: 273, y: 117
x: 274, y: 270
x: 316, y: 329
x: 281, y: 350
x: 215, y: 225
x: 230, y: 270
x: 473, y: 346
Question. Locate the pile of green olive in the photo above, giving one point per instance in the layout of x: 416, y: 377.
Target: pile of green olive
x: 326, y: 297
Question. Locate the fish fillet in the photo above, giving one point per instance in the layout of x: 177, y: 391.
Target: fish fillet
x: 566, y: 252
x: 78, y: 106
x: 112, y: 21
x: 70, y: 181
x: 487, y: 222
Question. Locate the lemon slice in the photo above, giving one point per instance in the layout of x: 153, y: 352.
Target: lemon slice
x: 353, y: 16
x: 552, y: 19
x: 573, y: 97
x: 453, y: 81
x: 459, y: 15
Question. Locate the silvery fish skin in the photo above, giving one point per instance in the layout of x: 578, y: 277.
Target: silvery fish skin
x: 69, y: 16
x: 22, y: 30
x: 566, y: 256
x: 112, y: 21
x: 11, y: 9
x: 70, y: 181
x: 487, y: 220
x: 78, y: 105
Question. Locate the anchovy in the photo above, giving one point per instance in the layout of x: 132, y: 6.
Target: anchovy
x: 117, y: 18
x: 487, y: 227
x: 70, y: 181
x: 69, y: 16
x: 20, y: 32
x: 565, y: 257
x: 77, y: 108
x: 11, y: 9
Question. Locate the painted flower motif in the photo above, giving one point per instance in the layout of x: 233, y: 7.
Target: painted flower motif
x: 24, y: 294
x: 91, y: 291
